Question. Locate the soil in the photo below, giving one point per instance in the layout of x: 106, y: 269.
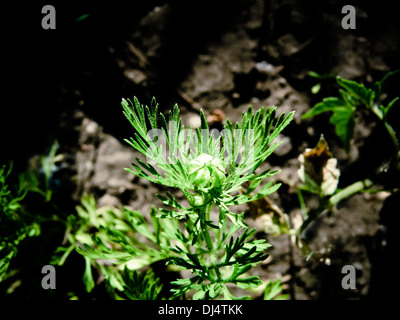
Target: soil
x: 221, y: 56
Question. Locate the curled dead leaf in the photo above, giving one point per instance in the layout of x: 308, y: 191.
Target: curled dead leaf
x: 318, y: 171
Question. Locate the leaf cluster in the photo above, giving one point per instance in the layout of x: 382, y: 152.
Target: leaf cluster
x: 15, y: 223
x: 242, y: 147
x: 9, y: 204
x: 118, y: 242
x: 174, y: 154
x: 211, y: 281
x: 138, y: 286
x: 352, y: 96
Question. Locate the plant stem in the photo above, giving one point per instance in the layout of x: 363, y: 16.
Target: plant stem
x: 214, y: 272
x: 334, y: 200
x: 349, y: 191
x: 206, y: 232
x: 375, y: 109
x: 227, y: 294
x: 302, y: 203
x: 392, y: 134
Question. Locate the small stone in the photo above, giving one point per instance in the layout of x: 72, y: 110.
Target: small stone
x: 235, y: 95
x: 193, y: 120
x: 358, y: 266
x: 136, y: 76
x: 265, y: 67
x: 91, y: 127
x: 108, y: 201
x: 285, y: 147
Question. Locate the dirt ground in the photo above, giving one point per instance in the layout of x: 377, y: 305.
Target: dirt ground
x: 217, y: 55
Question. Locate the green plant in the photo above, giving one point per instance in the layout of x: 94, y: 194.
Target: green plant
x: 26, y: 210
x: 141, y: 287
x: 320, y: 176
x: 203, y: 236
x: 14, y: 225
x: 320, y: 77
x: 352, y: 96
x: 19, y: 222
x: 318, y: 172
x: 273, y: 290
x: 122, y: 236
